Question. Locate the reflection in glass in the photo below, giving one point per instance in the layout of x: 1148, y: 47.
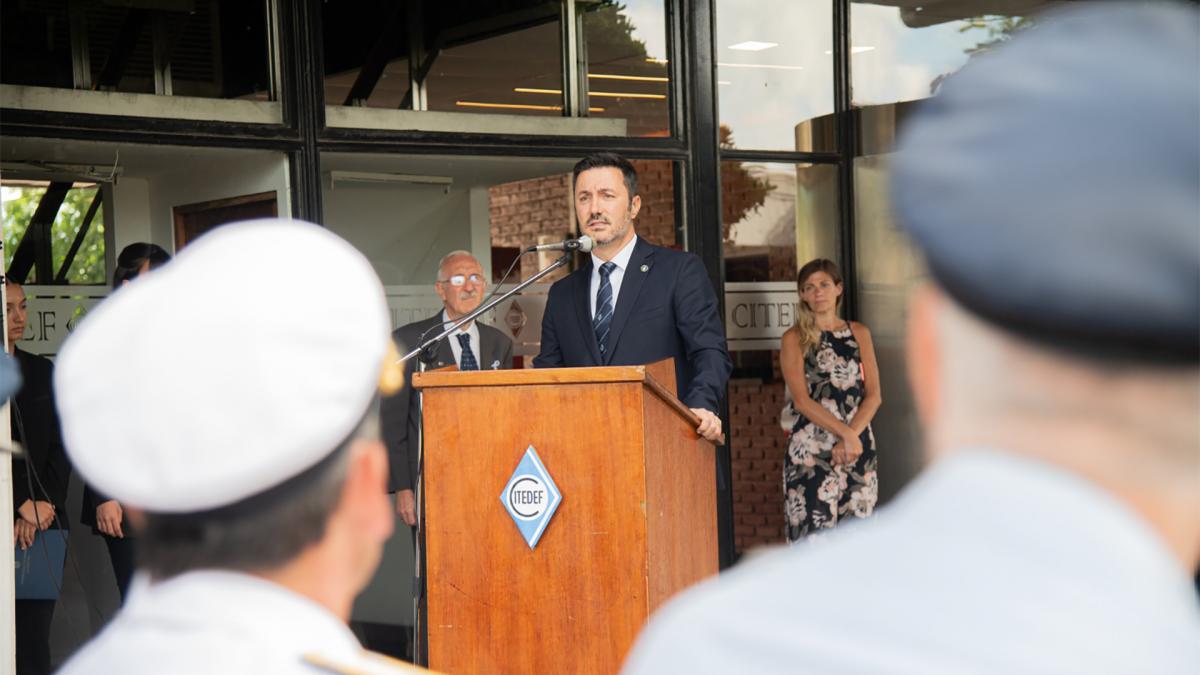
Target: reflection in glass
x: 209, y: 49
x: 774, y: 72
x: 776, y: 217
x: 366, y: 53
x: 903, y: 54
x: 502, y: 72
x: 466, y: 56
x: 888, y: 268
x: 626, y: 46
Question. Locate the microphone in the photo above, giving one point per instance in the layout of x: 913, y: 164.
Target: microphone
x: 582, y: 244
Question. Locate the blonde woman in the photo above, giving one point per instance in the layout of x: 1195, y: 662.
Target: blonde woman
x: 829, y: 366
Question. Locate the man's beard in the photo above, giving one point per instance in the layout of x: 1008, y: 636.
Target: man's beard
x: 615, y: 233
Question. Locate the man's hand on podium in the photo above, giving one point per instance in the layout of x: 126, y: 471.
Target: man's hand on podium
x: 710, y: 426
x: 406, y: 506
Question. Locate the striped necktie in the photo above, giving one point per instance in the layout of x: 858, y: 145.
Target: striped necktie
x: 468, y: 356
x: 602, y: 323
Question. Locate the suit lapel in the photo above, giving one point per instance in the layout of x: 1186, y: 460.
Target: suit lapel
x: 445, y: 355
x: 487, y: 347
x: 583, y: 310
x: 485, y: 351
x: 631, y: 288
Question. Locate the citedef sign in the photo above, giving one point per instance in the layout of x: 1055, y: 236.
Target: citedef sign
x: 53, y: 312
x: 758, y: 313
x: 531, y: 497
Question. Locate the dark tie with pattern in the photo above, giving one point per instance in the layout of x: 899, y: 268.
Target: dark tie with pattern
x: 602, y: 323
x: 468, y: 356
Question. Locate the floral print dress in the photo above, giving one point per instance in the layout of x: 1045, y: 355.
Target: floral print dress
x: 819, y: 494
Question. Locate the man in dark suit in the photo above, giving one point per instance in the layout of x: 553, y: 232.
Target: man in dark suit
x: 460, y: 285
x: 635, y: 303
x: 39, y: 484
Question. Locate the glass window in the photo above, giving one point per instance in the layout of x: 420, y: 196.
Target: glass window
x: 776, y: 217
x: 366, y: 46
x: 888, y: 268
x: 53, y: 232
x: 214, y: 49
x: 626, y: 48
x: 500, y: 59
x: 502, y: 63
x: 775, y: 74
x: 902, y: 54
x: 899, y: 56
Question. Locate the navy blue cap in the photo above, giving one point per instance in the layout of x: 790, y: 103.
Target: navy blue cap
x: 1053, y: 184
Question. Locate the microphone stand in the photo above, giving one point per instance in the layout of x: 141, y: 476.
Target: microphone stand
x: 484, y: 308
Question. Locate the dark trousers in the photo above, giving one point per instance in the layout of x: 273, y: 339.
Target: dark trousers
x: 33, y: 636
x: 120, y: 552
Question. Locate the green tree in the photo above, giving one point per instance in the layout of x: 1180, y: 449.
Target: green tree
x: 997, y: 29
x: 742, y: 193
x: 20, y: 201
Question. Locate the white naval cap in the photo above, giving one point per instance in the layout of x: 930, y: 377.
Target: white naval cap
x: 238, y: 365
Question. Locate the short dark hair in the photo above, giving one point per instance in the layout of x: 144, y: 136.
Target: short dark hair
x: 600, y: 160
x: 133, y: 256
x: 262, y: 532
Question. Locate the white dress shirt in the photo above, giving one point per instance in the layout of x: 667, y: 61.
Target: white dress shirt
x: 621, y: 260
x: 988, y: 563
x: 223, y: 622
x: 456, y: 346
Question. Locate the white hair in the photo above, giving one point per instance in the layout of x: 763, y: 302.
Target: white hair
x: 452, y: 254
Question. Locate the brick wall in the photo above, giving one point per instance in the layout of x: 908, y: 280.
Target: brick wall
x: 656, y: 185
x: 783, y: 263
x: 522, y: 211
x: 757, y: 449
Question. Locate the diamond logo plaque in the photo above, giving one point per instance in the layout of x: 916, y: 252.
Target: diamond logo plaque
x: 531, y: 497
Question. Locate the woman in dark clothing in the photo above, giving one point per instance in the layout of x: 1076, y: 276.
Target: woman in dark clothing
x: 105, y: 516
x: 829, y: 365
x: 40, y: 479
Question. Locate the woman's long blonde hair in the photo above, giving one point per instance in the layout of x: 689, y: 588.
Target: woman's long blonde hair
x: 806, y: 321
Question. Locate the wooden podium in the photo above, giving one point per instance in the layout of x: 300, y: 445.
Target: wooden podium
x: 636, y: 521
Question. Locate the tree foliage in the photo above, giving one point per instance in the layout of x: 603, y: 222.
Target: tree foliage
x: 20, y: 201
x: 742, y: 193
x: 997, y: 29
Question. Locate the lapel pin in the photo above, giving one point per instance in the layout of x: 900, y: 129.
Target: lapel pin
x: 645, y: 268
x: 496, y: 364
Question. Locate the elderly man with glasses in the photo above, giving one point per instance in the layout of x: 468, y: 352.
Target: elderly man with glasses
x: 460, y: 285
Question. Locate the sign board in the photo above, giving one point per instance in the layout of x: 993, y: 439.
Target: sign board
x: 757, y: 314
x: 53, y: 312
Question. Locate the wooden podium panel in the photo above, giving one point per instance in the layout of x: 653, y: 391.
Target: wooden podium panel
x: 636, y: 522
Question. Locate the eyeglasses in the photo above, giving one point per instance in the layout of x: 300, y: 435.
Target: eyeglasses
x: 460, y: 279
